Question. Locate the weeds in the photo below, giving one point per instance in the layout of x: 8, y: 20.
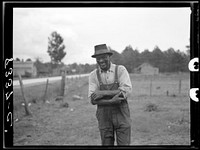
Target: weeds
x: 151, y: 107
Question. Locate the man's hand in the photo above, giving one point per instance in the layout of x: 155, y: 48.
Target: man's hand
x: 96, y: 98
x: 97, y: 95
x: 117, y: 98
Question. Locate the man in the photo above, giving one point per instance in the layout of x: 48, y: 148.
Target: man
x: 109, y: 87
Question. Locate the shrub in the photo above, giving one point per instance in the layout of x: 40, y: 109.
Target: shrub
x: 27, y: 74
x: 151, y: 107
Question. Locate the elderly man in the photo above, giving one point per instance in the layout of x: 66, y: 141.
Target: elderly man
x: 109, y: 88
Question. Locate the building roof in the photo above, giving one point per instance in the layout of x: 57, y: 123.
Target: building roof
x: 20, y: 64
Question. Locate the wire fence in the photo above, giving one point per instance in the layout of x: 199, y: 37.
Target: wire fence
x: 142, y: 85
x: 160, y: 85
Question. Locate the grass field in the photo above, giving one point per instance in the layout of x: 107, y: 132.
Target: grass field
x: 157, y: 118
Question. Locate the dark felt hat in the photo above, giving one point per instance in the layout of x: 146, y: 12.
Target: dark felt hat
x: 101, y: 49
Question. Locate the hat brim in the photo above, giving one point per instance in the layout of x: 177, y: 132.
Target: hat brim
x: 109, y: 53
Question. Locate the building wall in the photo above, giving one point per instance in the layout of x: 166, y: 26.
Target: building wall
x: 23, y: 67
x: 147, y: 69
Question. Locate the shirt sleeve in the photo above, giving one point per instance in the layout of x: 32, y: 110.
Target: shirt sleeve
x: 124, y: 81
x: 93, y: 85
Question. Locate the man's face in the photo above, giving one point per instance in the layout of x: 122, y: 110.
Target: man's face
x: 103, y: 61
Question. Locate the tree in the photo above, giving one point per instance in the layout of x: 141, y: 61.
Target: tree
x: 158, y: 59
x: 180, y: 61
x: 176, y: 60
x: 42, y: 68
x: 38, y: 62
x: 168, y: 63
x: 145, y: 56
x: 116, y: 58
x: 28, y: 59
x: 131, y: 58
x: 188, y: 50
x: 56, y: 48
x: 17, y: 59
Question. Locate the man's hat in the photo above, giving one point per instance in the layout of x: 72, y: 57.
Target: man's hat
x: 101, y: 49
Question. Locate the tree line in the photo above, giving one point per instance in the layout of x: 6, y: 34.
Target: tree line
x: 167, y: 61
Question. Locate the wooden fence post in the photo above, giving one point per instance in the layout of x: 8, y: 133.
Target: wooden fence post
x: 62, y: 89
x: 151, y: 87
x: 45, y: 93
x: 179, y: 88
x: 28, y: 112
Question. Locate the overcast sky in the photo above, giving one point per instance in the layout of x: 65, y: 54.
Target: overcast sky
x: 83, y: 28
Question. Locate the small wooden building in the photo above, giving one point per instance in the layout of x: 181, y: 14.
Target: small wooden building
x: 146, y: 69
x: 26, y: 68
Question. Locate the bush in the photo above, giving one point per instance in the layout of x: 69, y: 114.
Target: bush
x: 27, y: 74
x: 151, y: 107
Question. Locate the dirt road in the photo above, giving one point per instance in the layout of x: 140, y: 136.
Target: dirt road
x: 37, y: 81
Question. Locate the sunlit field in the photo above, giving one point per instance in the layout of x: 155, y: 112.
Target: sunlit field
x: 159, y: 107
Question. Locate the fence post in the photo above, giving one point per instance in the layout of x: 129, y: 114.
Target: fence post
x: 179, y: 89
x: 28, y: 112
x: 151, y: 87
x: 45, y: 93
x: 62, y: 89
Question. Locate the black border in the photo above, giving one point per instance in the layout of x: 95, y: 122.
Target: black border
x: 7, y: 15
x: 7, y: 55
x: 194, y: 76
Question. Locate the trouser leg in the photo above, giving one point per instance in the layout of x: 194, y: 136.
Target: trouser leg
x: 107, y: 136
x: 123, y: 135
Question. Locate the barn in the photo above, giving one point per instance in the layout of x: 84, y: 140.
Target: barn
x: 26, y: 68
x: 146, y: 69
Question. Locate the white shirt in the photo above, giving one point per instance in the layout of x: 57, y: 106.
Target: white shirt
x: 108, y: 77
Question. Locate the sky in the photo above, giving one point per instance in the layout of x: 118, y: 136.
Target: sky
x: 83, y: 28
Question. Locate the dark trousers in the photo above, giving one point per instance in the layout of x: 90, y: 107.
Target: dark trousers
x: 114, y: 122
x: 123, y: 136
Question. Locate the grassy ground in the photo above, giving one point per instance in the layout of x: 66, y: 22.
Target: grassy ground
x: 159, y: 119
